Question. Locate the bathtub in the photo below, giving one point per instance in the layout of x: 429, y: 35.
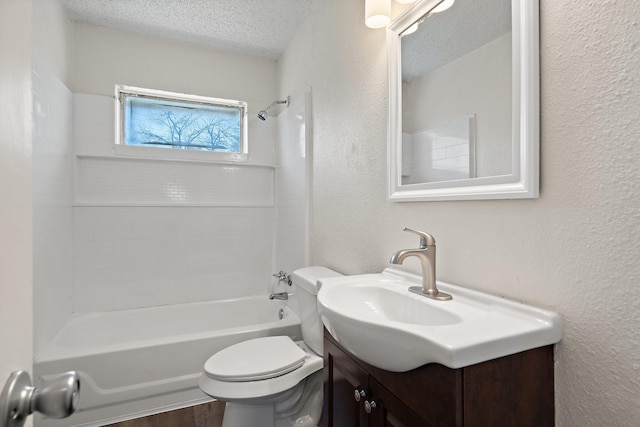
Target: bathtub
x: 142, y: 361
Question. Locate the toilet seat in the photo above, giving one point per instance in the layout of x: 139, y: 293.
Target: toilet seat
x: 256, y: 359
x: 245, y: 391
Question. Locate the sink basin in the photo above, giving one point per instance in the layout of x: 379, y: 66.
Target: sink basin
x: 376, y: 318
x: 375, y: 302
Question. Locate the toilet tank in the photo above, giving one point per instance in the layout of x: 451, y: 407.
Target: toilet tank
x: 307, y: 287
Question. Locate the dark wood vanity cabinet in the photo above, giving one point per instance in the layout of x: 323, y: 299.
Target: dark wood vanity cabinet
x: 515, y: 390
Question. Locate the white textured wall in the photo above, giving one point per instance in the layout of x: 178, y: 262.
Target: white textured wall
x: 52, y: 171
x: 572, y: 250
x: 16, y: 322
x: 103, y: 58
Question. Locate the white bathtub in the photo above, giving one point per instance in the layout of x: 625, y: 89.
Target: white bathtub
x: 143, y: 361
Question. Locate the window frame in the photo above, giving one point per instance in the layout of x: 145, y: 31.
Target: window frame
x: 122, y: 149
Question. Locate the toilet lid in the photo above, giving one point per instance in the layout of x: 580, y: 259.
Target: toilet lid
x: 256, y: 359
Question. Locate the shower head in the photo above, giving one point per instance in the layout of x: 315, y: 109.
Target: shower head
x: 263, y: 114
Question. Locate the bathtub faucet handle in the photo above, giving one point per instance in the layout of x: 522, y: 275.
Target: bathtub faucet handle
x: 283, y: 277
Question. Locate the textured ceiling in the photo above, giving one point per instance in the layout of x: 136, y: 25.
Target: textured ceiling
x: 449, y: 35
x: 260, y: 28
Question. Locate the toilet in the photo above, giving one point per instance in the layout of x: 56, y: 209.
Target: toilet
x: 274, y: 381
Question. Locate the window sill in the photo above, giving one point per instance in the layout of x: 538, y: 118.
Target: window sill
x: 150, y: 153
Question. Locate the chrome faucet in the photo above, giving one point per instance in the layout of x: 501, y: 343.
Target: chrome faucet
x: 427, y: 256
x: 282, y: 277
x: 279, y: 295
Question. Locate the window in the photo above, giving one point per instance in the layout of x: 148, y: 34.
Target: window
x: 157, y: 119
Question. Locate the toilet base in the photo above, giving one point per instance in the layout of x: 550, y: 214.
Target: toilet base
x: 300, y: 407
x: 243, y: 415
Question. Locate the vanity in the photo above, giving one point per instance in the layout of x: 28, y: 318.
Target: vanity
x: 393, y: 357
x: 515, y: 390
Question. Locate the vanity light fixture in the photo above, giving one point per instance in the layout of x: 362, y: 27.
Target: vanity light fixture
x: 446, y: 4
x: 412, y: 29
x: 377, y: 13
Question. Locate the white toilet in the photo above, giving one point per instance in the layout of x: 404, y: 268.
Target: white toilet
x: 274, y: 381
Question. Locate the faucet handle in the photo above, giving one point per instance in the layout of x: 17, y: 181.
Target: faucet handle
x: 426, y: 239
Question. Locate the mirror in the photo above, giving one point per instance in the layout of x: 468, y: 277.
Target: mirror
x: 464, y: 101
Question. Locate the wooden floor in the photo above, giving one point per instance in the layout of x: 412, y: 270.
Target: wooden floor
x: 206, y: 415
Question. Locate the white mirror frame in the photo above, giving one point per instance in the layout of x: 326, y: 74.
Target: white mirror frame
x: 523, y: 182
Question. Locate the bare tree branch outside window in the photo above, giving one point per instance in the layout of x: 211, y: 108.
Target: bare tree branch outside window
x: 172, y: 125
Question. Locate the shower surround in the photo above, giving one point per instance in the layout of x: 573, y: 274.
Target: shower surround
x: 155, y: 231
x: 159, y: 242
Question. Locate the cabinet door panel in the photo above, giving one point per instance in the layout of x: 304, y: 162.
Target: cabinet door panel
x: 391, y: 411
x: 517, y: 390
x: 342, y: 377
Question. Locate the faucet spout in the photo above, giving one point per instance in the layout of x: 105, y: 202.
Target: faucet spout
x: 279, y: 295
x: 427, y: 256
x: 399, y: 256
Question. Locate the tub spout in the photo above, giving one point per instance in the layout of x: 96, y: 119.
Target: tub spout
x: 279, y: 295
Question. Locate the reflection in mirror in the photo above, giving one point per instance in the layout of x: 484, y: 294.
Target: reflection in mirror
x: 463, y: 116
x: 449, y: 76
x: 439, y: 153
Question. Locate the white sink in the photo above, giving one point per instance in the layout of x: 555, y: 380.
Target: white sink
x: 376, y: 318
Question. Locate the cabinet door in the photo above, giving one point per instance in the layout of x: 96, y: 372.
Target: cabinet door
x: 390, y: 411
x: 342, y: 377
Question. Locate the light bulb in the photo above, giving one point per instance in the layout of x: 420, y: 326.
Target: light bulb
x: 446, y: 4
x: 412, y: 29
x: 377, y: 13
